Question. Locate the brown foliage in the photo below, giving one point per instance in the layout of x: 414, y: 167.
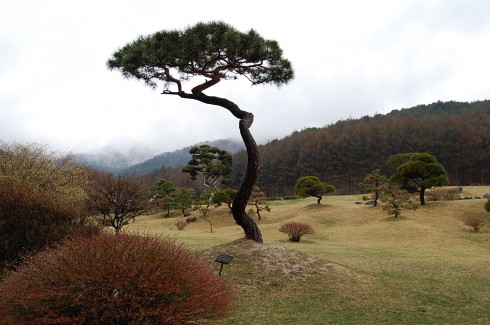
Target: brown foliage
x: 344, y: 152
x: 41, y: 200
x: 181, y: 225
x: 475, y: 222
x: 31, y: 219
x: 39, y: 168
x: 116, y: 199
x: 114, y: 279
x: 296, y: 230
x: 396, y: 200
x: 443, y: 194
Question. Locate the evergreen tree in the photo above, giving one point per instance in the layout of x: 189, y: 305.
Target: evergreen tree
x: 421, y: 172
x: 215, y: 51
x: 312, y: 186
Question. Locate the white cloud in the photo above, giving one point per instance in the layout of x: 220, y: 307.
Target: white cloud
x: 351, y: 58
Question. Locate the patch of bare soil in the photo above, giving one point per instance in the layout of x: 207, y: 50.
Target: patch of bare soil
x: 258, y: 266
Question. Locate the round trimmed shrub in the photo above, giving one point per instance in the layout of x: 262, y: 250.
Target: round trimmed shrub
x: 296, y: 230
x: 113, y: 279
x: 475, y: 222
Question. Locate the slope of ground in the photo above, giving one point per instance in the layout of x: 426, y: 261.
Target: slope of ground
x: 360, y: 267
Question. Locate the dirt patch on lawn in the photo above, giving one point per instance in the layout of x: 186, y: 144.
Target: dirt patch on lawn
x: 264, y: 267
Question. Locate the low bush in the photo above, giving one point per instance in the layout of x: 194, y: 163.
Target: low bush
x: 296, y: 230
x: 32, y: 219
x: 443, y: 194
x: 475, y: 222
x: 181, y: 225
x: 113, y: 279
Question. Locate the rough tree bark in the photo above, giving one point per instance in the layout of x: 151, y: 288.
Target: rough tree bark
x: 241, y: 218
x: 422, y: 196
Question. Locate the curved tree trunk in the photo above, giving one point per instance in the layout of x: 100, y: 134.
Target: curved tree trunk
x: 248, y: 224
x: 242, y: 219
x: 318, y: 198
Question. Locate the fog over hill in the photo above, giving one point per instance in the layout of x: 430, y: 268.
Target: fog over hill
x: 111, y: 158
x: 141, y: 160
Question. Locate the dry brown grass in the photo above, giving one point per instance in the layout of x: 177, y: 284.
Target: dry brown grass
x: 360, y: 266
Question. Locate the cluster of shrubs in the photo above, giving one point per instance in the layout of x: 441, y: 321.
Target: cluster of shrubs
x: 58, y: 267
x: 444, y: 194
x: 135, y: 279
x: 42, y: 201
x: 31, y: 219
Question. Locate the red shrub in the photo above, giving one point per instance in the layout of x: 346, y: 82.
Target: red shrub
x: 296, y: 229
x: 475, y: 222
x: 113, y: 279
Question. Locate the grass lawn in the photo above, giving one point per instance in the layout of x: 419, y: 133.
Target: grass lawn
x: 360, y: 267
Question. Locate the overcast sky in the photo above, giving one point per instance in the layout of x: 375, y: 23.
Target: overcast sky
x: 351, y: 58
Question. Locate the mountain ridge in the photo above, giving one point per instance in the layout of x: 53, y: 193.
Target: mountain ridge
x: 112, y: 160
x: 179, y: 157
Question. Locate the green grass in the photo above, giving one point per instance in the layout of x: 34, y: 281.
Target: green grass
x: 360, y: 267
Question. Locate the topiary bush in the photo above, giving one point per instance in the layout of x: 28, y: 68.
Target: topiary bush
x: 296, y: 230
x: 113, y: 279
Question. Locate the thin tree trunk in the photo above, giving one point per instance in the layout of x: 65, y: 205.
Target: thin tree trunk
x: 257, y: 208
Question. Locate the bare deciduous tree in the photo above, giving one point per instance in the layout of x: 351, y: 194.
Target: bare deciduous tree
x: 116, y: 199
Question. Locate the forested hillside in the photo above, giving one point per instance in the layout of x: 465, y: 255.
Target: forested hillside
x: 178, y: 158
x: 458, y: 134
x: 341, y: 154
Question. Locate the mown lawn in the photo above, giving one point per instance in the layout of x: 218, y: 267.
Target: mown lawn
x: 360, y: 267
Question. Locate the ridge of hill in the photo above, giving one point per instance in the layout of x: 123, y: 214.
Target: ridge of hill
x: 440, y: 107
x: 179, y: 157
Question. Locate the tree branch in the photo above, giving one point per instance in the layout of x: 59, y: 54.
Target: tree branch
x: 175, y: 80
x: 209, y: 83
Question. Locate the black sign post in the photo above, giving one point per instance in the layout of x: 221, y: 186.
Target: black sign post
x: 223, y: 259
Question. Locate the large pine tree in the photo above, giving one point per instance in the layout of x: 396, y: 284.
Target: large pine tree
x: 215, y: 51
